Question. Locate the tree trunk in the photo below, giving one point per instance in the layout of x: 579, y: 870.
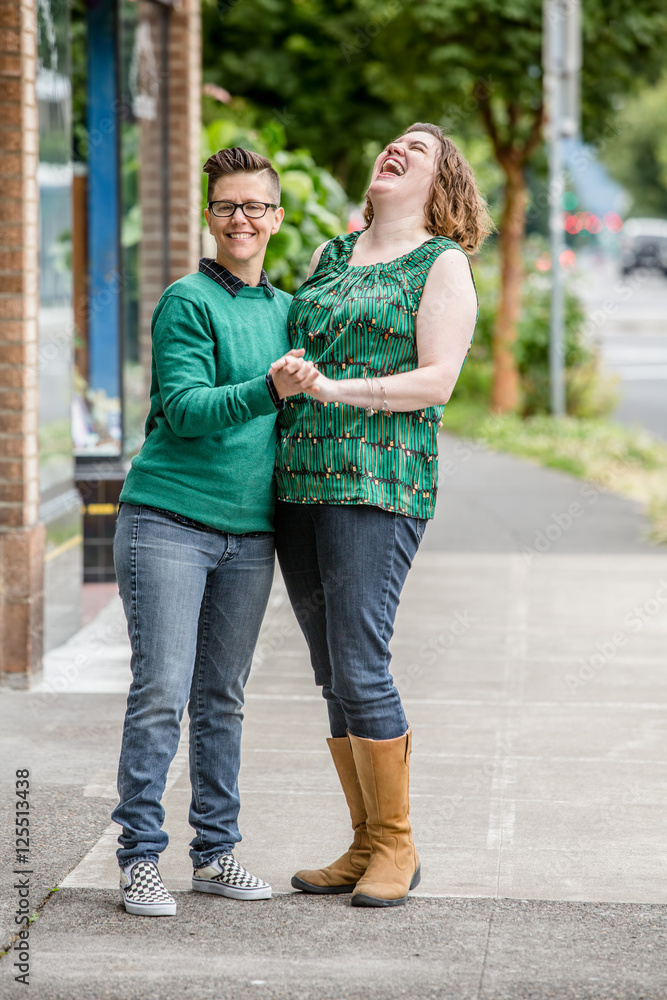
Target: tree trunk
x: 505, y: 394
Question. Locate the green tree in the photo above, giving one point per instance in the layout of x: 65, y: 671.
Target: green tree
x: 348, y: 74
x: 638, y: 156
x: 287, y: 57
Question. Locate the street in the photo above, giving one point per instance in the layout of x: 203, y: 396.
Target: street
x: 627, y: 318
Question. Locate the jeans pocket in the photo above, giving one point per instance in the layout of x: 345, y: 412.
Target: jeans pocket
x: 420, y: 525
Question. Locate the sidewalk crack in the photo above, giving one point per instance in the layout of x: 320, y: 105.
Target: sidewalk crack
x: 486, y: 952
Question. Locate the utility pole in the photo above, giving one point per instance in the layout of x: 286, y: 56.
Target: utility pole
x: 561, y: 26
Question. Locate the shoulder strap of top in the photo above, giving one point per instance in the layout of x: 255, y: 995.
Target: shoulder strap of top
x: 416, y: 266
x: 433, y: 248
x: 338, y: 248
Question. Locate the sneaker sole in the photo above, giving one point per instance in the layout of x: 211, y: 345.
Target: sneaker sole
x: 219, y: 889
x: 149, y: 909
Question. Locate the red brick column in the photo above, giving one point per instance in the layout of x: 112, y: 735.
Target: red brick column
x: 185, y: 162
x: 181, y: 224
x: 21, y: 534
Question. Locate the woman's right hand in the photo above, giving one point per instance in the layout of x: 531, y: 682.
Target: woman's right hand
x: 292, y: 375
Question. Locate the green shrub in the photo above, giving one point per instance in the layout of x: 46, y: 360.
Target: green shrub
x: 589, y: 392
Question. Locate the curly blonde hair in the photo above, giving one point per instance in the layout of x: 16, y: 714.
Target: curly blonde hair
x: 455, y: 207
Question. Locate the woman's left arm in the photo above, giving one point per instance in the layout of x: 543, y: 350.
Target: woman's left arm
x: 445, y: 324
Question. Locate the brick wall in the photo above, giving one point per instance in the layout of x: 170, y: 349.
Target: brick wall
x: 185, y: 173
x: 181, y: 224
x: 21, y: 535
x: 153, y: 200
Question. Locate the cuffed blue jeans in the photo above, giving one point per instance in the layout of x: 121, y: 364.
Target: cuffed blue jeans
x: 194, y: 602
x: 344, y: 568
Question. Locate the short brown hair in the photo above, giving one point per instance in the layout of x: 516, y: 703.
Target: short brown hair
x: 240, y: 161
x: 455, y: 207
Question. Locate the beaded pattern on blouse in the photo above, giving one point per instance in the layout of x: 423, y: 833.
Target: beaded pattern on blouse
x: 360, y: 322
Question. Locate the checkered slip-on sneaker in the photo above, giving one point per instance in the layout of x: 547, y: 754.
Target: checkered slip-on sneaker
x: 143, y: 891
x: 227, y: 877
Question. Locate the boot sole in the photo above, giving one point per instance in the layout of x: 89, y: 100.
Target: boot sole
x: 320, y: 890
x: 361, y: 899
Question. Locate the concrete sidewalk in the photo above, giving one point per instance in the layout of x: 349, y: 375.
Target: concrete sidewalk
x: 533, y: 676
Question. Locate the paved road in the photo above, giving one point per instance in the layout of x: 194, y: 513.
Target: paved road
x: 536, y: 688
x: 628, y: 319
x: 641, y: 362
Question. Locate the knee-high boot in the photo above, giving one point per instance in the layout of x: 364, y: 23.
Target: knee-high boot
x: 383, y: 767
x: 343, y: 874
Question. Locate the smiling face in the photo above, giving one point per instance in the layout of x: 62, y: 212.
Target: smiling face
x: 242, y: 242
x: 405, y: 169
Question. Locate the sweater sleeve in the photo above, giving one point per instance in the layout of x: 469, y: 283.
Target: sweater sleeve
x: 184, y: 354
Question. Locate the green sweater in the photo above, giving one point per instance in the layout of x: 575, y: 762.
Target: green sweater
x: 210, y: 441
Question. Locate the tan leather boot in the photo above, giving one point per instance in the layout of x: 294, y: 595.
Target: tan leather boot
x: 383, y: 767
x: 344, y: 873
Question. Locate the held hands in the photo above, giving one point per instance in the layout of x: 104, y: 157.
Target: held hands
x: 304, y: 376
x: 292, y: 375
x: 323, y: 389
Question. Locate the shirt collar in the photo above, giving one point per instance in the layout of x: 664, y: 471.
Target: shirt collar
x: 228, y: 280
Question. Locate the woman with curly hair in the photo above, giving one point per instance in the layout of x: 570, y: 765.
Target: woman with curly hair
x: 387, y: 316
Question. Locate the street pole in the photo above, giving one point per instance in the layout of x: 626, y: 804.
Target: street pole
x: 561, y: 25
x: 553, y: 27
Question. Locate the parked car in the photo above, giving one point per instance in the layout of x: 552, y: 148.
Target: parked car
x: 644, y: 245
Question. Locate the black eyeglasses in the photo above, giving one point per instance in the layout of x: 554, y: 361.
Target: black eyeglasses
x: 251, y: 209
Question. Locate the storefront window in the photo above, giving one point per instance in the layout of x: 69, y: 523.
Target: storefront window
x: 144, y: 170
x: 54, y: 175
x: 96, y: 413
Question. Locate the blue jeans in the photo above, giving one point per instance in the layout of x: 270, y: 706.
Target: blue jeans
x: 344, y: 568
x: 194, y: 603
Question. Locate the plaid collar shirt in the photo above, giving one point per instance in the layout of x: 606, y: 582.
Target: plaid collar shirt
x: 229, y: 281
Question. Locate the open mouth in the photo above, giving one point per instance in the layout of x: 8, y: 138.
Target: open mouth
x: 239, y: 236
x: 392, y: 166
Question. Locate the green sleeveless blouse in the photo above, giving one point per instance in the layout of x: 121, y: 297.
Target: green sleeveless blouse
x: 359, y: 322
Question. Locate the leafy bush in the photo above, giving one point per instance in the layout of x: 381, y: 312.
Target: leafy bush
x: 315, y: 204
x: 589, y: 393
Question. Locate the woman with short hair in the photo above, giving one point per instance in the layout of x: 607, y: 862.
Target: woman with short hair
x: 193, y: 548
x: 387, y: 316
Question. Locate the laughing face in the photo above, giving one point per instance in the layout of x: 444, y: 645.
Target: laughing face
x: 405, y: 168
x: 242, y: 242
